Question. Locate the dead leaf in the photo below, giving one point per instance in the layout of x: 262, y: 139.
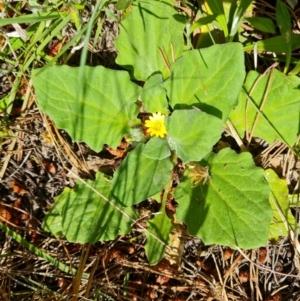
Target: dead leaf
x: 5, y: 213
x: 262, y: 254
x: 174, y: 253
x: 17, y: 188
x: 54, y: 47
x: 227, y: 253
x: 244, y: 276
x: 50, y: 167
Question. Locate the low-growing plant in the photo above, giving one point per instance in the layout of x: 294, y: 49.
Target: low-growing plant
x: 189, y: 95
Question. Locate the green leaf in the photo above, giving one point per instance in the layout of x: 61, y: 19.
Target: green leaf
x: 280, y: 114
x: 275, y: 44
x: 123, y: 4
x: 217, y: 9
x: 202, y: 21
x: 160, y: 226
x: 279, y: 200
x: 84, y: 217
x: 53, y: 219
x: 154, y: 95
x: 209, y: 79
x: 103, y: 114
x: 262, y: 24
x: 283, y: 19
x: 243, y: 5
x: 294, y: 200
x: 296, y: 69
x: 155, y: 30
x: 233, y: 208
x: 192, y: 133
x: 157, y: 148
x: 139, y: 177
x: 30, y: 18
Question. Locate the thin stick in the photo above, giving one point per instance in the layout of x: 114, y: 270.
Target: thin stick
x: 264, y: 268
x: 236, y: 136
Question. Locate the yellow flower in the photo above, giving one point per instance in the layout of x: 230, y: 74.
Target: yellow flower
x: 156, y: 126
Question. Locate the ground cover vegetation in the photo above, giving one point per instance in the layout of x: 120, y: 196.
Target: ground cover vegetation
x: 149, y: 150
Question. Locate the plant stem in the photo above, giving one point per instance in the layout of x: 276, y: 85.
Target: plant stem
x: 173, y: 158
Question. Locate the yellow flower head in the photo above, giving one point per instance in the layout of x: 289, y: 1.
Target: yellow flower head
x: 156, y: 126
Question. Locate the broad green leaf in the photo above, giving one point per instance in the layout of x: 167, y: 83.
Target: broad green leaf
x: 233, y: 208
x: 192, y: 133
x: 85, y: 217
x: 53, y: 219
x: 139, y: 177
x: 160, y: 226
x: 209, y: 79
x: 280, y: 114
x: 275, y: 44
x: 103, y: 114
x: 145, y: 34
x: 279, y: 200
x: 157, y: 148
x: 154, y: 96
x: 262, y: 24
